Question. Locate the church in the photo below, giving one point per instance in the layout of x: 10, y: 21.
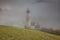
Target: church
x: 29, y: 23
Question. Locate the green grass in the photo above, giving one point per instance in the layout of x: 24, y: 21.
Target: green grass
x: 13, y: 33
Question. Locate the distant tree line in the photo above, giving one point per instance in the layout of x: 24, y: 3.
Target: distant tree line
x: 52, y: 31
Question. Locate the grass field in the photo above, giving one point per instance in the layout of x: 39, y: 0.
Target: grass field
x: 13, y: 33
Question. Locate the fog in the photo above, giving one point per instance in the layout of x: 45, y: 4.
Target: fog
x: 46, y: 12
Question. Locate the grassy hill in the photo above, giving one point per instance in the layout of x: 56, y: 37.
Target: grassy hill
x: 12, y: 33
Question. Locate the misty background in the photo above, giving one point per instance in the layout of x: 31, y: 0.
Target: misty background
x: 46, y: 12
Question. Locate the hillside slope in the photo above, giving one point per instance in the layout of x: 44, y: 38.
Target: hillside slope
x: 12, y: 33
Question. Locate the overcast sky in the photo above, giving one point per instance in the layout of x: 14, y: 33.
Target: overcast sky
x: 46, y: 12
